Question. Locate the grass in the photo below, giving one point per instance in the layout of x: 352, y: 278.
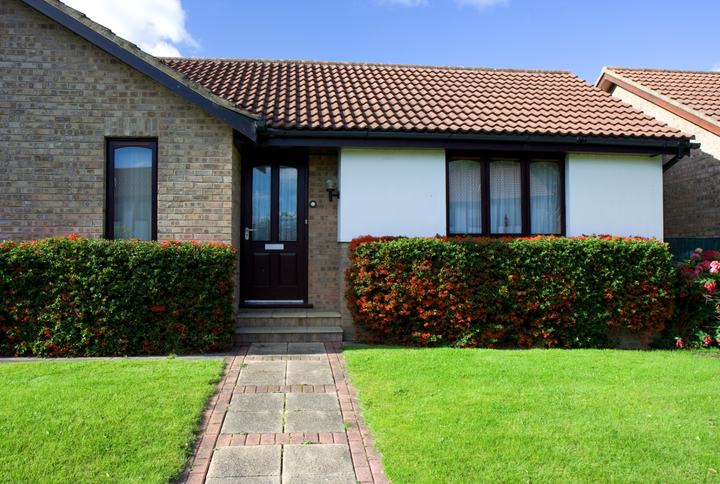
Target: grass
x: 120, y: 421
x: 541, y: 416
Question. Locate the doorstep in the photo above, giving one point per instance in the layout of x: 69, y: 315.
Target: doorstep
x: 282, y: 334
x: 292, y: 319
x: 285, y: 325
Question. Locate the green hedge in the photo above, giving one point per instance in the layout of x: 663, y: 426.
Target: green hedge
x: 72, y: 297
x: 497, y: 292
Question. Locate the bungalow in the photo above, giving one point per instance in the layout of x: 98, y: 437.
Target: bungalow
x: 289, y: 161
x: 689, y: 101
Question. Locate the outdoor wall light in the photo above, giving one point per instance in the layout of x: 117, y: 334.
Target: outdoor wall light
x: 332, y: 184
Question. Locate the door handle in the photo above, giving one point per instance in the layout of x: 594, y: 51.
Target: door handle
x: 247, y: 232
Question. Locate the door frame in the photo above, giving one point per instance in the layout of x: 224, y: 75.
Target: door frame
x: 250, y: 156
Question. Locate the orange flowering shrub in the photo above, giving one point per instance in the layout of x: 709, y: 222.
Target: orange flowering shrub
x: 72, y: 297
x: 514, y: 291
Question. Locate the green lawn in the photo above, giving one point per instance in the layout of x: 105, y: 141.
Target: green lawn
x: 541, y: 416
x: 120, y: 421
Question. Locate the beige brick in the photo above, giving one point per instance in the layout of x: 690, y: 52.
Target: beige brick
x: 691, y: 195
x: 61, y: 99
x: 323, y: 270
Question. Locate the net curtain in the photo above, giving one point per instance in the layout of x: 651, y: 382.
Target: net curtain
x: 133, y: 193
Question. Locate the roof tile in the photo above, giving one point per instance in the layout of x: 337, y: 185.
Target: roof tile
x: 382, y: 97
x: 699, y: 90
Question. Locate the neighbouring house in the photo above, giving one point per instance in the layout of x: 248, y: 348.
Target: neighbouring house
x: 688, y: 101
x: 288, y: 161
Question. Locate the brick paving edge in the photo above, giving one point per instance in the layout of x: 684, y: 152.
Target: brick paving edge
x: 367, y: 461
x: 212, y: 420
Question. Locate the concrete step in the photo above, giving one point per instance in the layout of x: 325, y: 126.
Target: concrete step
x: 283, y: 334
x: 288, y: 318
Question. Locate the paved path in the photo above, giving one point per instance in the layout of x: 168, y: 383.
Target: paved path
x: 284, y: 414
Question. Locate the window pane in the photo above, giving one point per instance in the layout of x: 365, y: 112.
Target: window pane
x: 288, y: 203
x: 544, y: 198
x: 133, y: 193
x: 465, y: 197
x: 261, y: 179
x: 505, y: 198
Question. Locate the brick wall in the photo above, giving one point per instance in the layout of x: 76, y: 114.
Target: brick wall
x: 346, y: 318
x: 60, y: 99
x: 236, y: 230
x: 691, y: 197
x: 323, y: 268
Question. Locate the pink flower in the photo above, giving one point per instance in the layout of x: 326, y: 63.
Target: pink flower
x: 679, y: 343
x: 707, y: 340
x: 714, y: 266
x: 694, y: 256
x: 710, y: 287
x: 698, y: 250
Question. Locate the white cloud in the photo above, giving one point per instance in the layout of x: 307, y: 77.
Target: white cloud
x: 716, y: 68
x: 156, y: 26
x: 480, y: 4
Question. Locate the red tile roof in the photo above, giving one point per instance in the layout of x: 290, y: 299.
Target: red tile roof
x: 697, y: 90
x: 382, y: 97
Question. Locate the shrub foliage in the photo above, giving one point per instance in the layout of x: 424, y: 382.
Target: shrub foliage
x: 523, y: 291
x: 72, y: 296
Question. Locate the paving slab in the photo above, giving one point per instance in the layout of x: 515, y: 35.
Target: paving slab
x: 318, y: 480
x: 326, y: 402
x: 267, y: 349
x: 298, y: 421
x: 249, y: 461
x: 253, y: 422
x: 309, y: 373
x: 244, y: 480
x: 257, y: 402
x: 263, y: 373
x: 307, y: 463
x: 306, y: 349
x: 293, y: 417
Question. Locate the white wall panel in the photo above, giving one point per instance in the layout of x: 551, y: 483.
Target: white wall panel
x: 614, y: 194
x: 391, y: 192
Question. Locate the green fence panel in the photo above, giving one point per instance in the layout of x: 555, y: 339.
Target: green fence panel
x: 681, y: 249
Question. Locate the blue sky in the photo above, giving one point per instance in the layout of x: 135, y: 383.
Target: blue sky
x: 577, y: 35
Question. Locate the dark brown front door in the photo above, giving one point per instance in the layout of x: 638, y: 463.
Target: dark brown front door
x: 274, y: 228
